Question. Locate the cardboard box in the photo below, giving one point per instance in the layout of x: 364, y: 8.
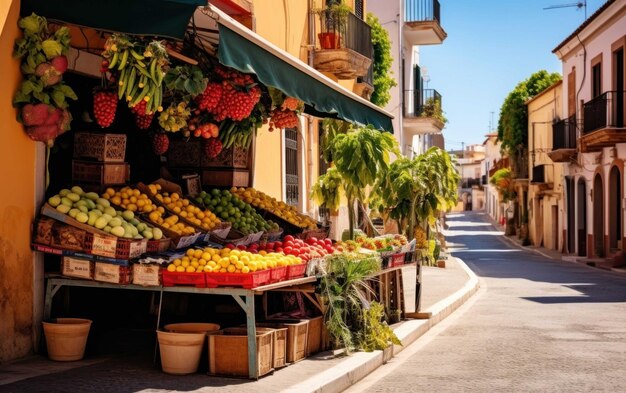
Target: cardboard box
x: 115, y: 274
x: 67, y: 237
x: 147, y: 275
x: 42, y: 232
x: 77, y: 268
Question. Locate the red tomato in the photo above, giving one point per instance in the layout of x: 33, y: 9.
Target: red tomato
x: 288, y: 238
x: 231, y: 246
x: 288, y: 250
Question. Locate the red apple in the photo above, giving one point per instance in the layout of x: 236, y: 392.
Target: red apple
x: 231, y: 246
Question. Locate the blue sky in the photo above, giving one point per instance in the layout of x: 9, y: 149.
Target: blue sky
x: 491, y: 46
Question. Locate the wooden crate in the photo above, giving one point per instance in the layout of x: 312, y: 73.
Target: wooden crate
x: 297, y: 335
x: 228, y: 353
x: 314, y: 337
x: 279, y: 343
x: 100, y: 147
x: 147, y: 275
x: 191, y: 153
x: 225, y: 177
x: 100, y: 173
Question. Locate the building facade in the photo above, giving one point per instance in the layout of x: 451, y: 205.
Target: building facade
x: 417, y: 109
x: 545, y: 190
x: 591, y: 137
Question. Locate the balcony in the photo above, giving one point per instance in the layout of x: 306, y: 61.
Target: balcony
x: 563, y: 140
x: 422, y: 112
x: 345, y: 46
x: 497, y: 165
x: 603, y: 124
x: 422, y: 22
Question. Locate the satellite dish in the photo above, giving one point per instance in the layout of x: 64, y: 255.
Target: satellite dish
x: 579, y: 5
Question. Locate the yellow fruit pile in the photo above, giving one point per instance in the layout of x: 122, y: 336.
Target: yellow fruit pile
x: 279, y: 208
x: 170, y: 222
x: 131, y: 199
x: 229, y: 261
x: 183, y: 207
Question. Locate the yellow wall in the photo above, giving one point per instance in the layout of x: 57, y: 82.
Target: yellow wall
x: 284, y: 23
x: 17, y: 171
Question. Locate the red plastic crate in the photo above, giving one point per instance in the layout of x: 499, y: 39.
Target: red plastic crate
x: 296, y: 271
x: 278, y: 274
x: 396, y: 260
x: 244, y: 280
x: 171, y: 279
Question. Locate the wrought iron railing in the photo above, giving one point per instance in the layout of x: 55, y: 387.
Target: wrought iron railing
x: 606, y: 110
x: 423, y: 103
x: 422, y: 10
x: 470, y: 182
x: 341, y: 31
x: 564, y: 134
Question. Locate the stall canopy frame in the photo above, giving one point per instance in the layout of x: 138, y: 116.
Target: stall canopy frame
x: 246, y: 51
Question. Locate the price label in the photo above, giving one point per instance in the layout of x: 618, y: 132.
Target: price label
x: 137, y: 248
x: 103, y: 246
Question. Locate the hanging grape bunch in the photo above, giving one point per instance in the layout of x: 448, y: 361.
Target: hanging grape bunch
x: 174, y: 118
x: 286, y: 115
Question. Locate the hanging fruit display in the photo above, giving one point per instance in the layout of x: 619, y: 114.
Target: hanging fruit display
x: 174, y: 118
x: 213, y: 148
x: 42, y: 96
x: 139, y: 70
x: 143, y: 120
x: 104, y: 107
x: 285, y: 112
x: 160, y: 143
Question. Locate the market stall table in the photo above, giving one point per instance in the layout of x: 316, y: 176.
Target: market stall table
x: 243, y: 297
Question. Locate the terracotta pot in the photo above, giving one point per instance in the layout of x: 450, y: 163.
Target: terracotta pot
x: 329, y: 40
x: 66, y: 338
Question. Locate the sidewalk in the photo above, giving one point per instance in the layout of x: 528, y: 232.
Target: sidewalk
x: 443, y: 290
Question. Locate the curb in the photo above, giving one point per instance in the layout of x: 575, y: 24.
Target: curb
x: 360, y: 364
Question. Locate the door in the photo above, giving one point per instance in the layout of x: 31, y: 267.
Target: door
x: 615, y: 210
x: 292, y: 167
x: 581, y: 213
x: 569, y: 201
x: 598, y: 216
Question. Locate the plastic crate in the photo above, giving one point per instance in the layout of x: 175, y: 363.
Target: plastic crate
x: 156, y: 246
x: 397, y: 260
x: 296, y: 271
x: 100, y: 147
x: 243, y: 280
x: 278, y: 274
x: 171, y: 279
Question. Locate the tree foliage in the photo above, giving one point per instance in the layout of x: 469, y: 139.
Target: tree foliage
x: 383, y: 79
x: 513, y: 121
x: 414, y: 191
x: 502, y: 179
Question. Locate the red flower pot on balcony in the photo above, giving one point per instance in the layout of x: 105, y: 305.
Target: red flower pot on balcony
x: 329, y: 40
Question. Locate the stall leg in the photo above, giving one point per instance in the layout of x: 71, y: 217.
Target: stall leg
x: 248, y: 307
x: 156, y: 343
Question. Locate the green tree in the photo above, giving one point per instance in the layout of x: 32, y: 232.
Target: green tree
x: 513, y: 121
x: 383, y: 79
x: 415, y: 191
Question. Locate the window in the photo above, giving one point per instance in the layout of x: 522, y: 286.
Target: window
x: 596, y: 76
x: 596, y: 80
x: 292, y: 173
x: 358, y: 9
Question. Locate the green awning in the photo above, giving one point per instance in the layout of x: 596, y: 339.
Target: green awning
x: 247, y: 52
x: 163, y: 18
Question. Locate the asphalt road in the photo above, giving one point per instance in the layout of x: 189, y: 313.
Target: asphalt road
x: 536, y: 325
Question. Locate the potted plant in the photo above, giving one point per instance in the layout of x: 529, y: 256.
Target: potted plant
x: 334, y: 19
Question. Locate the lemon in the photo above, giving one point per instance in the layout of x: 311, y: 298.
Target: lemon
x: 171, y: 268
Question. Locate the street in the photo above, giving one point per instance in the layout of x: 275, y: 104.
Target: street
x: 537, y: 324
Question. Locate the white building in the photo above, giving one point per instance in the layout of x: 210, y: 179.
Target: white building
x: 591, y: 138
x: 412, y: 23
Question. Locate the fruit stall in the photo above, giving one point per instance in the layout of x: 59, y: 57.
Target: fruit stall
x: 151, y: 191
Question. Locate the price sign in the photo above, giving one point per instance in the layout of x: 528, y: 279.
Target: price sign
x: 103, y: 246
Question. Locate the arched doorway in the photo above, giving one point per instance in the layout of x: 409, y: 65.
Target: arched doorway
x: 598, y: 216
x: 615, y: 210
x: 581, y: 217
